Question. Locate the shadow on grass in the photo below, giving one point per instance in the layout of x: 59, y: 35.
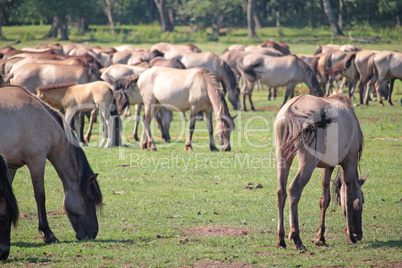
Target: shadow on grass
x: 45, y: 261
x: 386, y: 244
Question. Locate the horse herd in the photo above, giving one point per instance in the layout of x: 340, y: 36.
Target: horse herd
x: 167, y: 77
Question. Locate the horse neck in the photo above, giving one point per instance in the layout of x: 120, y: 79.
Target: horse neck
x: 310, y: 79
x: 55, y: 97
x: 64, y: 162
x: 217, y: 103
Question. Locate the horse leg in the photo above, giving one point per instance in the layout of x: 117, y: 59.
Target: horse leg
x: 269, y: 93
x: 289, y: 92
x: 104, y: 130
x: 208, y: 116
x: 282, y: 175
x: 244, y: 102
x: 149, y: 113
x: 193, y: 115
x: 78, y: 125
x: 37, y: 175
x: 324, y: 203
x: 391, y: 88
x: 303, y: 175
x: 251, y: 102
x: 94, y: 114
x: 137, y: 121
x: 160, y: 119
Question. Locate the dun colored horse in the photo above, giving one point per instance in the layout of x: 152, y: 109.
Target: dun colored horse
x: 276, y: 72
x: 324, y: 133
x: 181, y: 90
x: 73, y: 98
x: 126, y: 92
x: 385, y: 65
x: 31, y: 132
x: 220, y: 69
x: 8, y: 210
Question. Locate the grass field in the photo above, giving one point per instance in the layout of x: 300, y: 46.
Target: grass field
x: 182, y: 209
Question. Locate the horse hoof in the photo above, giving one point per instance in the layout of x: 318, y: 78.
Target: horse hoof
x: 320, y: 243
x: 281, y: 244
x: 51, y: 239
x: 188, y: 148
x: 84, y: 144
x: 136, y: 138
x: 213, y: 149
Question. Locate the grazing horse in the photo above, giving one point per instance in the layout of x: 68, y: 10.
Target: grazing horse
x: 31, y: 132
x: 181, y: 90
x: 276, y: 72
x: 8, y: 210
x: 219, y: 68
x: 126, y: 92
x: 385, y: 65
x: 73, y: 98
x: 324, y: 133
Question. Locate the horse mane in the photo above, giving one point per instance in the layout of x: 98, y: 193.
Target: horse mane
x: 7, y: 191
x: 57, y: 86
x: 89, y: 191
x: 229, y: 72
x: 311, y: 76
x: 220, y: 108
x: 89, y: 68
x: 194, y: 48
x: 301, y: 127
x: 126, y: 82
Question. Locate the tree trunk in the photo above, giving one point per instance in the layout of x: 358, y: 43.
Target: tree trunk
x: 340, y: 19
x: 54, y: 29
x: 63, y: 28
x: 107, y: 8
x: 250, y: 19
x: 331, y: 18
x: 166, y: 22
x: 256, y: 19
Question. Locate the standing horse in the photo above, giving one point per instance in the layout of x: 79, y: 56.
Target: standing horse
x: 73, y: 98
x: 182, y: 90
x: 323, y: 132
x: 126, y: 92
x: 219, y: 68
x: 276, y: 72
x: 31, y: 132
x: 8, y: 210
x: 385, y: 65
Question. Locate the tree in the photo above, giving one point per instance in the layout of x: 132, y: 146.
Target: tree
x: 108, y: 6
x: 250, y: 19
x: 5, y: 6
x: 165, y: 16
x: 331, y: 18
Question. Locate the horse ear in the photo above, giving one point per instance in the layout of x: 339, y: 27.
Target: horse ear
x: 233, y: 117
x: 363, y: 180
x: 93, y: 178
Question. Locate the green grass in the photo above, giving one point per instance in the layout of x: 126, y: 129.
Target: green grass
x: 156, y: 202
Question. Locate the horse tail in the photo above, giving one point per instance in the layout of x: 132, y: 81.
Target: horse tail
x: 5, y: 186
x: 372, y: 72
x: 248, y: 69
x: 310, y: 77
x: 126, y: 82
x: 300, y: 128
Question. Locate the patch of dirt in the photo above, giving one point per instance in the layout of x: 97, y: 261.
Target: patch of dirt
x: 210, y: 263
x: 269, y: 108
x: 217, y: 231
x: 53, y: 213
x: 372, y: 120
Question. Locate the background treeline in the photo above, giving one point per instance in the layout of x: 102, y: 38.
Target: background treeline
x: 202, y: 14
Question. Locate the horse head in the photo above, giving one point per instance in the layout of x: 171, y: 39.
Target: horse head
x: 352, y: 204
x: 120, y: 101
x: 224, y: 124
